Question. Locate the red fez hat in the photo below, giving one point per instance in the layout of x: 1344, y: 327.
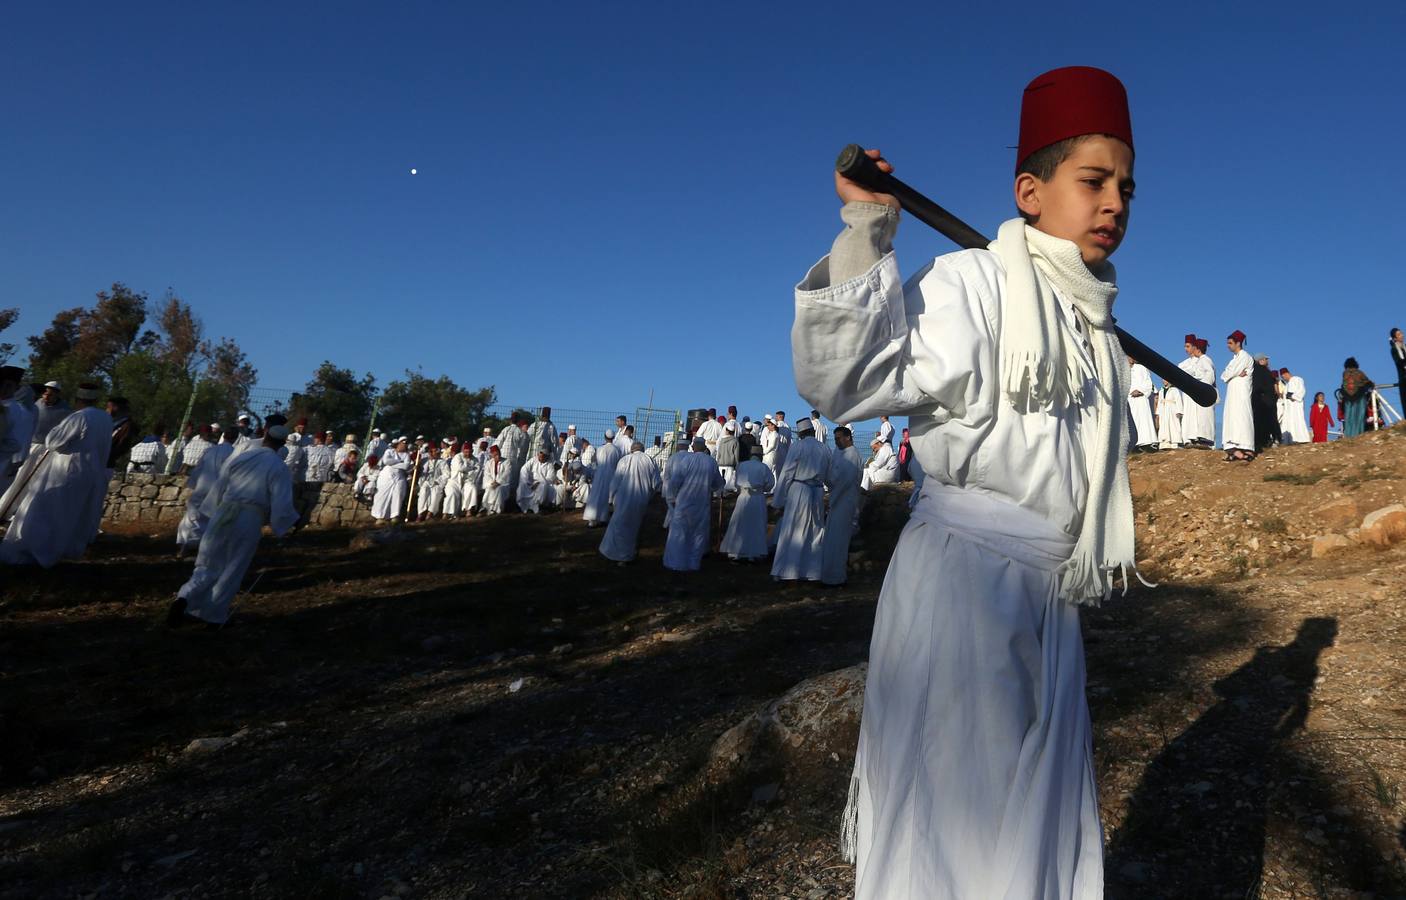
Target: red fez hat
x: 1070, y: 102
x: 303, y: 421
x: 1189, y: 339
x: 1237, y: 336
x: 1202, y: 344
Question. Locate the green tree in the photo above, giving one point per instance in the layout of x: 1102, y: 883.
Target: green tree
x: 334, y: 398
x: 7, y: 318
x: 433, y: 407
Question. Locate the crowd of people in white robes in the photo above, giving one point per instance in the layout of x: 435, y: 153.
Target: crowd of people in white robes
x: 1262, y: 406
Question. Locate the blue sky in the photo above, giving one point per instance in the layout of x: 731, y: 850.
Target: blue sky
x: 614, y: 198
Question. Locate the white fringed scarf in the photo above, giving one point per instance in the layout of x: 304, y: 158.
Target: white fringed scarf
x: 1041, y: 368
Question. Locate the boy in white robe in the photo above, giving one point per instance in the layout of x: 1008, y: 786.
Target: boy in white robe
x: 254, y: 489
x: 1292, y: 424
x: 1238, y: 423
x: 800, y: 495
x: 1203, y: 416
x: 1139, y: 404
x: 746, y: 530
x: 689, y: 485
x: 1170, y: 403
x: 57, y: 496
x: 842, y: 480
x: 974, y: 772
x: 497, y: 482
x: 635, y: 483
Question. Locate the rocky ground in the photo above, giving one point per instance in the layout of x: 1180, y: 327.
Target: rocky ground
x: 488, y: 709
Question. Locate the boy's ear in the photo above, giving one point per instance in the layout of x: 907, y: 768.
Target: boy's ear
x: 1027, y: 195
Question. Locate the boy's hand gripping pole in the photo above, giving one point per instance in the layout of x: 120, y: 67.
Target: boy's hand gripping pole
x: 857, y: 166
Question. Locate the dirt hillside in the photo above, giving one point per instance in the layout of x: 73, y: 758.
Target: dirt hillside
x: 489, y: 709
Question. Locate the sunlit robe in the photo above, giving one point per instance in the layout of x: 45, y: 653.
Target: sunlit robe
x: 497, y: 485
x: 201, y: 480
x: 392, y: 484
x: 881, y: 468
x: 1238, y: 421
x: 1145, y: 427
x: 598, y: 500
x: 1291, y: 414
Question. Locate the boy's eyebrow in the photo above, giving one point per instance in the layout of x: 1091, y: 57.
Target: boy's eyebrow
x: 1128, y: 183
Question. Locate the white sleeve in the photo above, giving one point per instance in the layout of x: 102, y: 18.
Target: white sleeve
x: 871, y: 346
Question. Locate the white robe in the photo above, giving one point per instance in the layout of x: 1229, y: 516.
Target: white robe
x: 366, y: 478
x: 843, y: 481
x: 391, y: 485
x: 60, y: 506
x: 882, y: 467
x: 254, y: 489
x: 200, y: 480
x: 1291, y: 417
x: 746, y: 530
x: 635, y: 483
x: 1203, y: 417
x: 820, y: 430
x: 999, y: 801
x: 512, y: 441
x: 689, y: 485
x: 1238, y: 422
x: 461, y: 494
x: 598, y: 501
x: 497, y: 485
x: 1144, y: 426
x: 800, y: 494
x: 536, y: 486
x: 434, y: 473
x: 770, y: 441
x: 1170, y: 405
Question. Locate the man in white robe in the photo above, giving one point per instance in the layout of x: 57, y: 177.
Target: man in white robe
x: 842, y: 480
x: 536, y: 484
x: 728, y: 455
x: 784, y: 439
x: 800, y: 495
x: 710, y: 431
x: 573, y: 440
x: 597, y: 510
x: 378, y: 445
x: 689, y: 485
x: 254, y: 489
x: 461, y: 492
x: 885, y: 430
x: 147, y: 456
x: 1238, y: 422
x: 1140, y: 405
x: 622, y: 441
x: 746, y: 530
x: 497, y: 482
x: 882, y: 466
x: 392, y: 483
x: 771, y: 440
x: 297, y: 457
x: 57, y: 496
x: 200, y: 481
x: 512, y: 441
x: 635, y: 483
x: 348, y: 445
x: 817, y: 423
x: 434, y: 473
x: 543, y: 436
x: 1293, y: 427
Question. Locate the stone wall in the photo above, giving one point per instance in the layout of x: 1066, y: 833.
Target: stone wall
x: 160, y: 500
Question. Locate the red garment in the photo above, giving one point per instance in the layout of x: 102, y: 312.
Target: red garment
x: 1320, y: 420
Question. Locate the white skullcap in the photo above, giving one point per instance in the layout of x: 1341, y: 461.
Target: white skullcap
x: 53, y: 384
x: 767, y: 417
x: 244, y: 417
x: 399, y: 439
x: 610, y: 434
x: 571, y: 428
x: 731, y: 426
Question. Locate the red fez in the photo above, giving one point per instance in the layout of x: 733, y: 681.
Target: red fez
x: 1070, y: 102
x: 1202, y: 344
x: 303, y: 421
x: 1189, y: 339
x: 1237, y: 336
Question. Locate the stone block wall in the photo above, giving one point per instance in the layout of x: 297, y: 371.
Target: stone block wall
x: 160, y: 500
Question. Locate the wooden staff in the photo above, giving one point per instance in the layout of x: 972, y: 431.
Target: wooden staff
x: 414, y: 476
x: 863, y: 170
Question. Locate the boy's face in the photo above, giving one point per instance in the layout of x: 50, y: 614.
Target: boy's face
x: 1086, y: 201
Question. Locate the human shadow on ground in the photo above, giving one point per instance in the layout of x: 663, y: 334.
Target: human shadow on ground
x: 1196, y: 825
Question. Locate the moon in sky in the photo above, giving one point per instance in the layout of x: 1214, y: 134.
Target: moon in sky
x: 412, y: 171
